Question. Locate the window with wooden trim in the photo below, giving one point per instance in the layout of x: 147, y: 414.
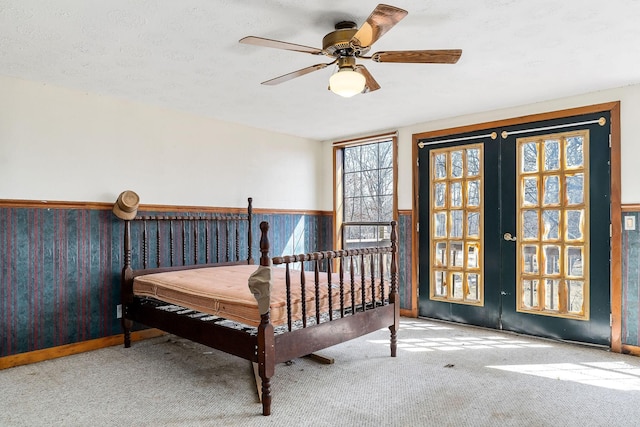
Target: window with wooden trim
x: 365, y: 191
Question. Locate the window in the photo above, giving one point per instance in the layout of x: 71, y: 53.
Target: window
x: 365, y: 191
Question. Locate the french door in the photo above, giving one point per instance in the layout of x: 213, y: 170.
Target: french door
x: 515, y: 228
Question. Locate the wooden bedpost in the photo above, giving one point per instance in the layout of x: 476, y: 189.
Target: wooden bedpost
x: 266, y: 341
x: 264, y: 244
x: 394, y: 297
x: 250, y: 233
x: 126, y: 284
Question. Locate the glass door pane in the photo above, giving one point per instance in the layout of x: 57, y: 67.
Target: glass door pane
x: 456, y: 225
x: 553, y: 224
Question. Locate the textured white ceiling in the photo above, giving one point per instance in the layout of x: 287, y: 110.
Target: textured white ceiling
x: 185, y: 55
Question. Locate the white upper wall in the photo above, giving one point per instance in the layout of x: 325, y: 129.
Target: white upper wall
x: 629, y: 98
x: 61, y: 144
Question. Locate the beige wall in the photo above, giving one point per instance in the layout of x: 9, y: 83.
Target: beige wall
x: 630, y: 138
x: 61, y: 144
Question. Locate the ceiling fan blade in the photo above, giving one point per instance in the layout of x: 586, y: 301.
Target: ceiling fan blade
x: 293, y: 75
x: 381, y: 20
x: 259, y: 41
x: 371, y: 83
x: 450, y: 56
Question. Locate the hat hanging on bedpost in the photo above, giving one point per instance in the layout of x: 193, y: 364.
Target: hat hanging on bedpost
x: 126, y: 207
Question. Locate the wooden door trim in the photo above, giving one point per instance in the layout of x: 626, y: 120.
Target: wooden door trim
x: 616, y: 230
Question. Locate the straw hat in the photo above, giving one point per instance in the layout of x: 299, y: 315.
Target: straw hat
x: 126, y: 207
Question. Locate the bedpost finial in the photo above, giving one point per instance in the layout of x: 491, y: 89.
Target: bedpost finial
x: 264, y: 243
x: 250, y: 230
x: 394, y: 231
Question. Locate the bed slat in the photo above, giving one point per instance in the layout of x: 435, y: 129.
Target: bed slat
x: 303, y: 294
x: 237, y: 258
x: 352, y: 272
x: 226, y: 240
x: 184, y: 242
x: 373, y: 279
x: 317, y: 287
x: 145, y: 255
x: 249, y: 230
x: 288, y: 291
x: 381, y: 264
x: 341, y: 286
x: 362, y: 276
x: 329, y: 287
x: 171, y: 242
x: 217, y: 242
x: 195, y: 243
x: 206, y: 241
x: 159, y: 243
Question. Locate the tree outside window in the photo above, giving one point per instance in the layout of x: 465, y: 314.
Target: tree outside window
x: 368, y: 193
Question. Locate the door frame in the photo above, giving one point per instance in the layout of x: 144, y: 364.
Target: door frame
x: 615, y: 196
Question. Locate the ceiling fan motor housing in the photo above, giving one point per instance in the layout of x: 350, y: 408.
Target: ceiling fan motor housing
x: 347, y: 62
x: 337, y: 43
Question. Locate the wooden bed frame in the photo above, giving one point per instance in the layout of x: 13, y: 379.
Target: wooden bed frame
x: 214, y: 240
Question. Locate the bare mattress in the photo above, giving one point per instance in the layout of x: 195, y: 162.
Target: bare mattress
x: 223, y: 291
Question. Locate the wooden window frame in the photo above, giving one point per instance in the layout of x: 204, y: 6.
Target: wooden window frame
x: 338, y: 174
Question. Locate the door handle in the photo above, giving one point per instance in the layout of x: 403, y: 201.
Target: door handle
x: 509, y: 237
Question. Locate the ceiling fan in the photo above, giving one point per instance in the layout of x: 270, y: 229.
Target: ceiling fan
x: 348, y: 43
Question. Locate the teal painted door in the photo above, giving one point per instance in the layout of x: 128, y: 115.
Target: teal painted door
x: 514, y: 228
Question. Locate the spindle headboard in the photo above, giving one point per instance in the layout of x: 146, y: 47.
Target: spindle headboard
x: 178, y: 241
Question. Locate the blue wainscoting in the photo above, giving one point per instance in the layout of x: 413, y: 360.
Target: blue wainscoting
x: 404, y: 261
x: 60, y: 270
x: 630, y: 280
x: 294, y: 233
x: 58, y: 277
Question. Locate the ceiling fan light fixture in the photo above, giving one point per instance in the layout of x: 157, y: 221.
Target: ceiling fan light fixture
x: 346, y: 82
x: 347, y: 44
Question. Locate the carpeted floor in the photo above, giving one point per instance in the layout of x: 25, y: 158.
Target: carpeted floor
x: 444, y: 375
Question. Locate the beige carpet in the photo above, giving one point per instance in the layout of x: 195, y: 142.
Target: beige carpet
x: 444, y: 375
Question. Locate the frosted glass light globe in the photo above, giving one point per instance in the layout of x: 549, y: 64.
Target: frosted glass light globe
x: 347, y: 82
